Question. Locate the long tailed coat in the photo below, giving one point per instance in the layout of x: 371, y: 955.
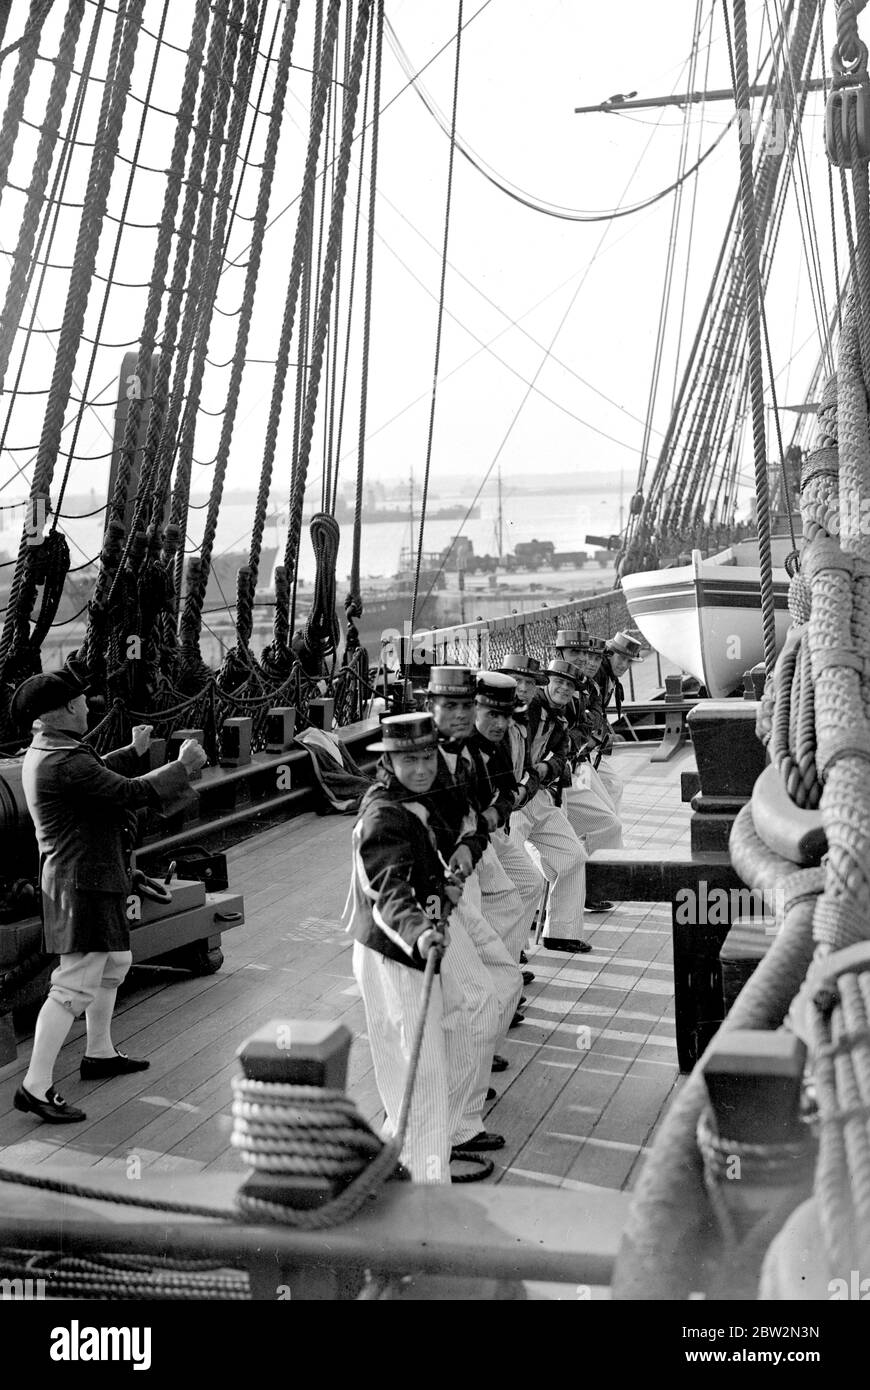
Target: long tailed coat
x: 80, y: 805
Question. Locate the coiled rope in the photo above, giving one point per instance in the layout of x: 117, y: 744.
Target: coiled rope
x: 282, y: 1130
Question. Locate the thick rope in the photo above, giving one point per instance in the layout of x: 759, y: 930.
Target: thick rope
x: 434, y: 396
x: 306, y: 432
x: 127, y: 28
x: 27, y: 54
x: 16, y: 290
x: 282, y: 74
x: 304, y: 224
x: 292, y: 1129
x: 752, y: 300
x: 354, y: 593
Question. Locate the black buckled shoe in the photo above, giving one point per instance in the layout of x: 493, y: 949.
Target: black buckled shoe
x: 484, y: 1142
x: 492, y: 1093
x: 54, y: 1109
x: 601, y: 906
x: 517, y: 1019
x: 528, y: 976
x: 500, y: 1063
x: 524, y: 960
x: 559, y: 943
x: 99, y: 1068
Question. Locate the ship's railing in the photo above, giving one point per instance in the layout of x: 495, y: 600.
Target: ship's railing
x: 484, y: 643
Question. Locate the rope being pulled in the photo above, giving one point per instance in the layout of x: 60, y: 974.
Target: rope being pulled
x: 299, y: 1130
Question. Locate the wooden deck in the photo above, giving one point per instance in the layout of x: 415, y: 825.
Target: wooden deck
x: 592, y: 1068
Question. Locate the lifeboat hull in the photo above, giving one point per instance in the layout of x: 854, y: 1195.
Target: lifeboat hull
x: 706, y: 617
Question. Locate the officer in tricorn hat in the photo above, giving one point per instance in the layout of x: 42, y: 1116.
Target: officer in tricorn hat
x: 80, y: 805
x: 400, y: 903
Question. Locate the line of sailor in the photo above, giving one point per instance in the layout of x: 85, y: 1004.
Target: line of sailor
x: 492, y: 795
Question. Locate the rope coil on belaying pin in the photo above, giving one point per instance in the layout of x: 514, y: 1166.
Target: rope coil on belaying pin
x: 299, y: 1130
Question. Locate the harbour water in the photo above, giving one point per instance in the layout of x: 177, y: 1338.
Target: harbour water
x: 563, y: 518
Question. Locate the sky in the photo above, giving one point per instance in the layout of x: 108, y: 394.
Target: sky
x: 570, y: 305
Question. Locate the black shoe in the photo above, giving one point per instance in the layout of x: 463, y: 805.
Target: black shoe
x: 522, y: 1000
x: 492, y: 1093
x: 517, y: 1019
x: 54, y: 1108
x: 481, y: 1143
x: 601, y: 906
x: 500, y: 1063
x: 528, y: 976
x: 524, y: 960
x: 558, y: 943
x: 98, y: 1068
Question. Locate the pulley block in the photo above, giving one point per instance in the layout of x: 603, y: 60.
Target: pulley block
x: 849, y: 94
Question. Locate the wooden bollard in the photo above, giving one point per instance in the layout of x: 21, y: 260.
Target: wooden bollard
x: 754, y: 1083
x: 235, y: 742
x: 300, y: 1053
x: 321, y: 713
x: 280, y: 728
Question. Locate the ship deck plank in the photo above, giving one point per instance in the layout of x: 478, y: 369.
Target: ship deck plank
x: 592, y: 1068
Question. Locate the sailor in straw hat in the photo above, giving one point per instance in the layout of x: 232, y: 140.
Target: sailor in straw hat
x: 621, y: 652
x: 495, y: 703
x: 490, y: 903
x: 540, y: 749
x: 589, y: 804
x: 401, y: 898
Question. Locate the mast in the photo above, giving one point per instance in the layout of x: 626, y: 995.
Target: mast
x: 411, y: 506
x: 500, y: 520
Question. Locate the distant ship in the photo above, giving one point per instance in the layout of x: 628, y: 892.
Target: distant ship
x: 374, y: 515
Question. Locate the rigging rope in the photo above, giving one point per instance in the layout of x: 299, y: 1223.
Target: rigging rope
x: 354, y: 595
x: 303, y: 227
x: 434, y: 397
x: 16, y: 290
x: 28, y: 44
x: 752, y: 301
x: 291, y: 553
x: 124, y: 43
x: 196, y: 600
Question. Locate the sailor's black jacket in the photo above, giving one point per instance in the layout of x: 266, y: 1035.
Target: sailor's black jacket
x: 397, y: 882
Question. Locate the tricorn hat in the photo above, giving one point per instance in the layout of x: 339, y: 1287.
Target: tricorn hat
x: 518, y: 664
x: 456, y: 682
x: 496, y: 691
x: 39, y: 694
x: 566, y: 669
x: 625, y: 646
x: 406, y: 733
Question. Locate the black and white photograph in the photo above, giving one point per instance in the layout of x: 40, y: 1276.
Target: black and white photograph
x: 434, y: 668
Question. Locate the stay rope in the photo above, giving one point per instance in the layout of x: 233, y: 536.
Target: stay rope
x: 324, y: 302
x: 752, y: 300
x: 124, y: 44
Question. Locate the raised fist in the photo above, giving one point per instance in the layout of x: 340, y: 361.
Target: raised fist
x: 192, y: 755
x: 142, y: 738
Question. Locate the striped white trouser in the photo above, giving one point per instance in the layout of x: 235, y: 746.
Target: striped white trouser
x: 563, y: 862
x: 613, y: 783
x: 528, y: 881
x: 503, y: 904
x: 481, y: 988
x: 591, y: 810
x: 448, y: 1069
